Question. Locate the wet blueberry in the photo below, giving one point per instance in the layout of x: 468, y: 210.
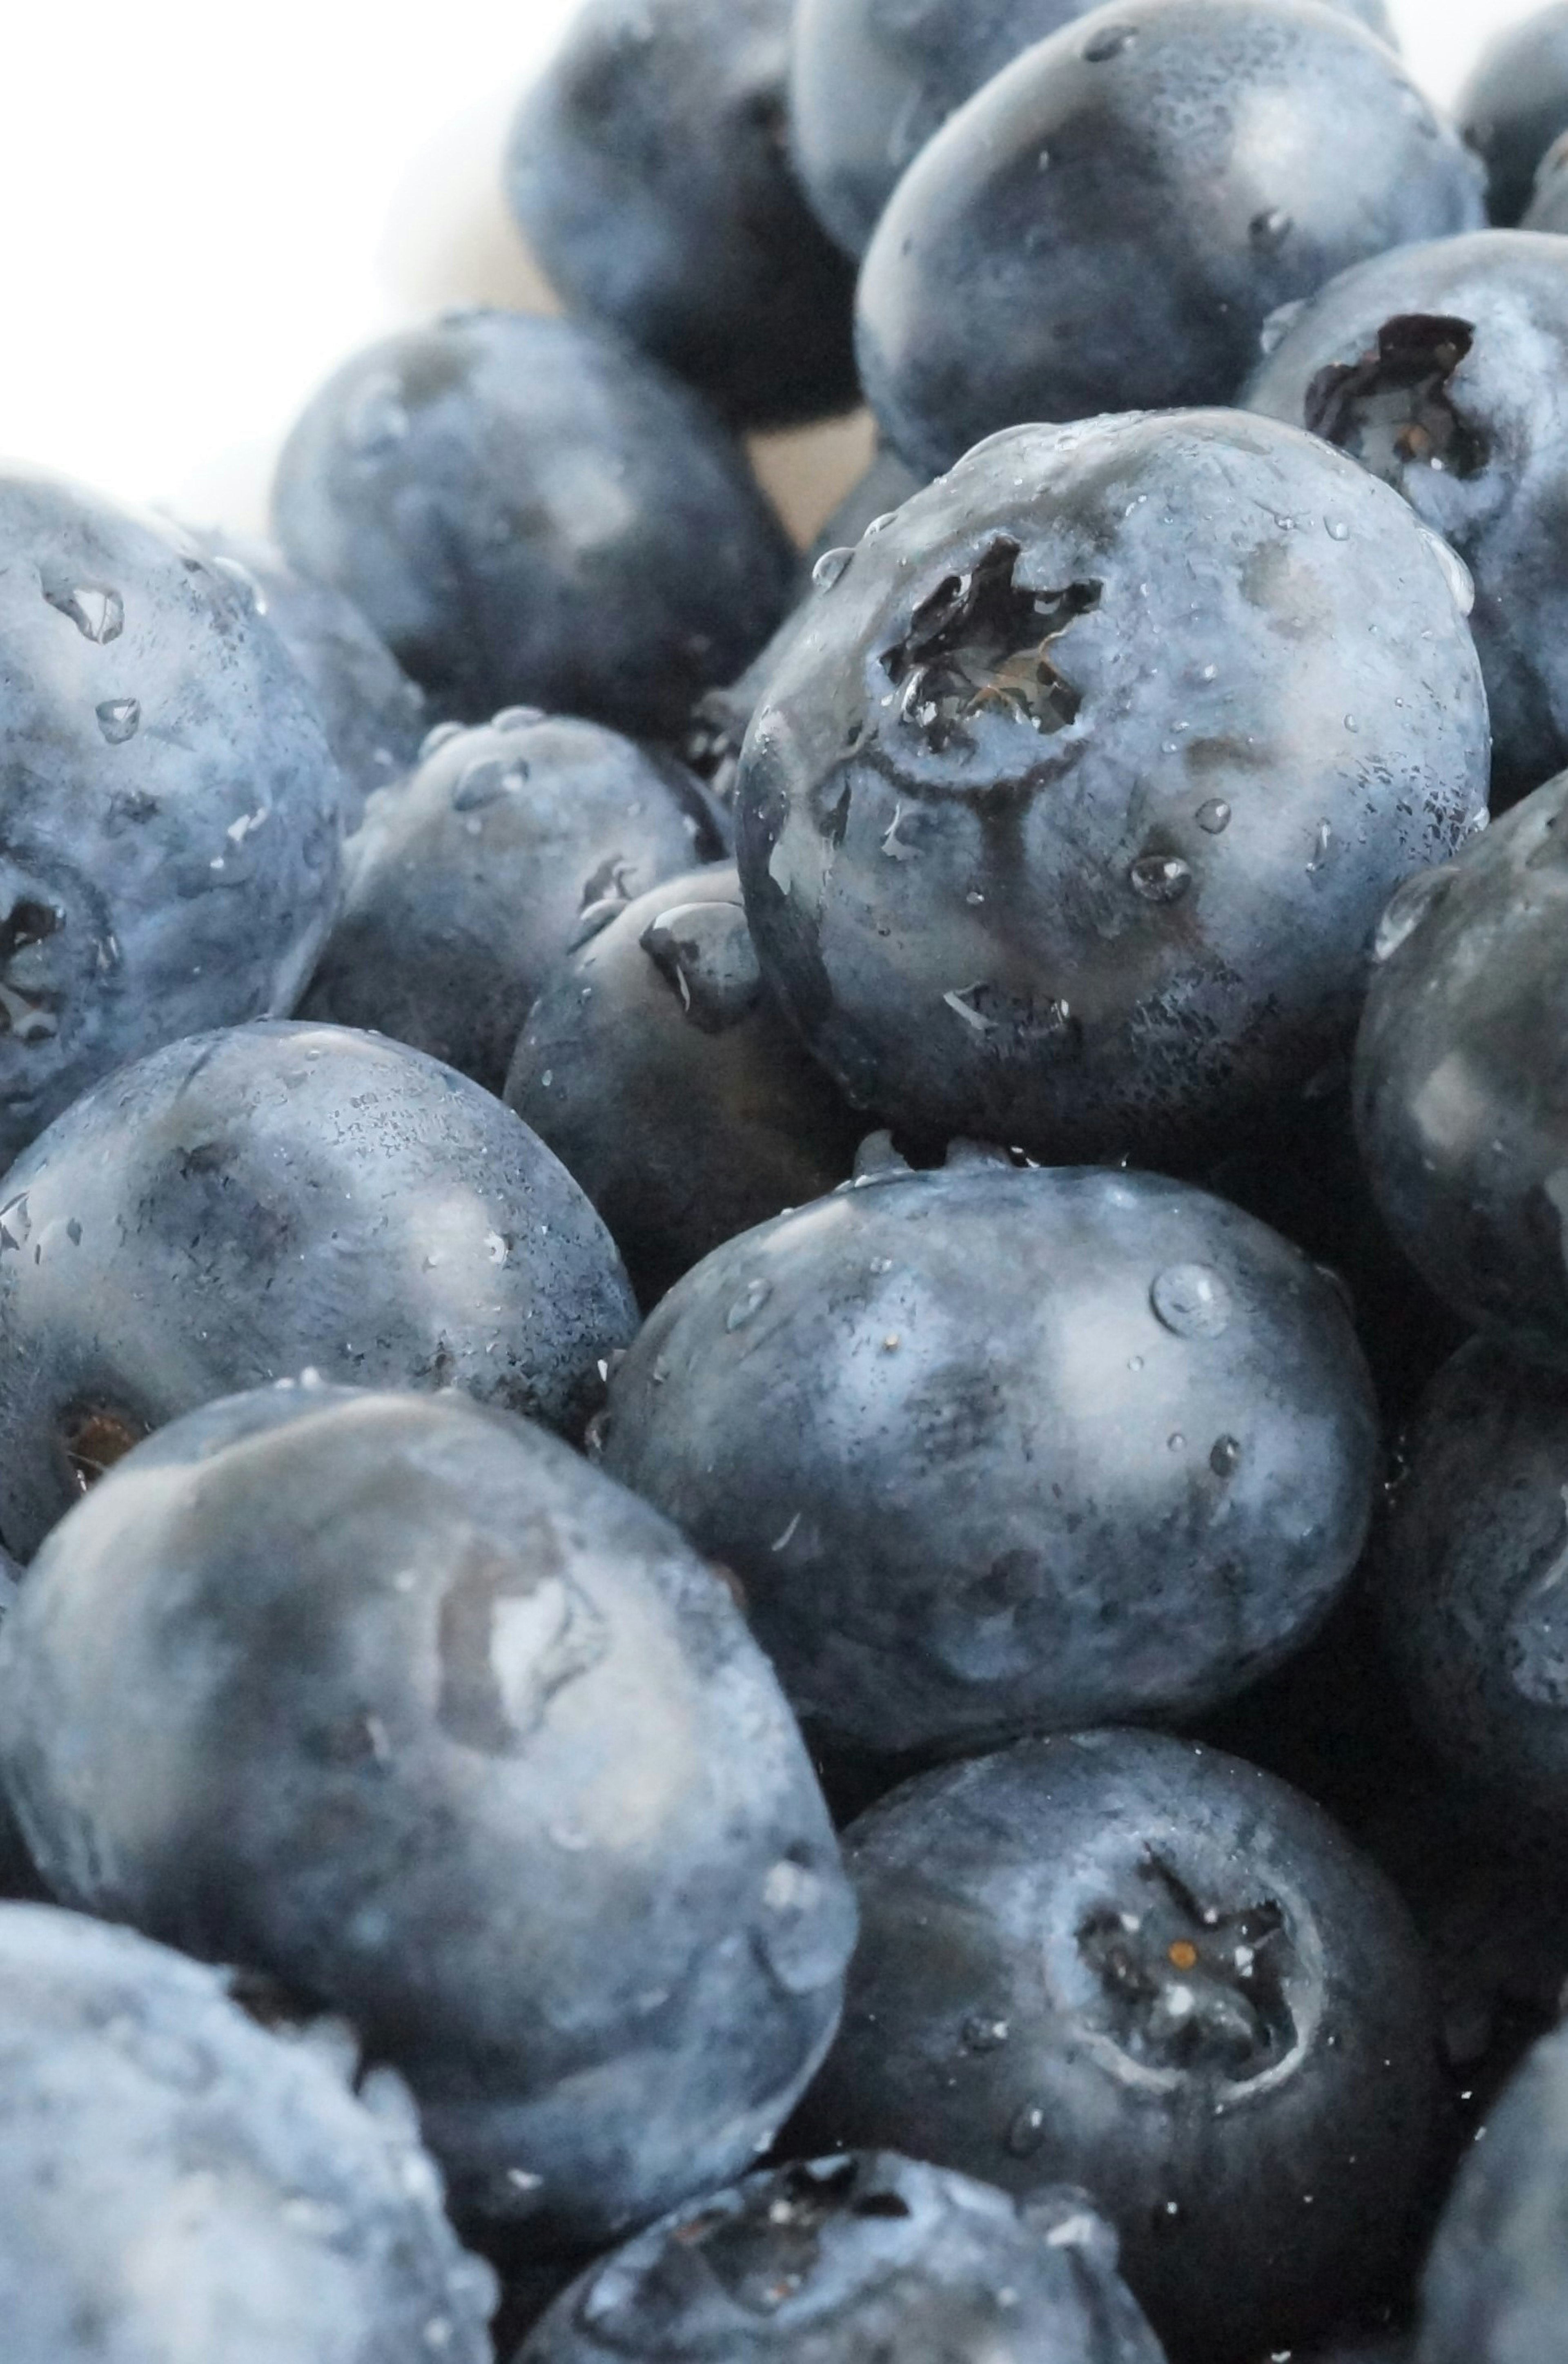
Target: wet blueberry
x: 979, y: 815
x: 528, y: 511
x: 395, y: 1699
x: 1515, y: 103
x: 247, y: 1204
x: 472, y: 879
x: 658, y: 1068
x: 1217, y: 2020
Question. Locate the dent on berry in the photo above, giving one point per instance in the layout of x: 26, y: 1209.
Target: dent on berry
x: 982, y: 642
x: 1393, y: 408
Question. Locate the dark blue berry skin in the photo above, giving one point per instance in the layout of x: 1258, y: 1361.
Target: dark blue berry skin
x: 1496, y: 2284
x: 1515, y: 103
x: 1439, y: 368
x: 650, y: 171
x: 397, y: 1700
x: 1115, y: 1959
x: 175, y: 2182
x: 1067, y: 818
x: 470, y: 881
x: 658, y: 1067
x: 373, y: 715
x: 249, y: 1204
x: 1471, y: 1585
x: 854, y: 2261
x: 18, y: 1875
x: 1462, y: 1077
x: 871, y: 81
x: 996, y: 1452
x: 528, y: 510
x: 1135, y: 267
x: 169, y: 858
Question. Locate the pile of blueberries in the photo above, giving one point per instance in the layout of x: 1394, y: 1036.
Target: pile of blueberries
x: 784, y: 1344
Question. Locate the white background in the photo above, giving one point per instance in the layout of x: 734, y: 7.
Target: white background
x: 203, y: 206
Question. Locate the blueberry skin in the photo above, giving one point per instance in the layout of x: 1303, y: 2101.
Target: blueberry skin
x: 1108, y: 891
x: 529, y: 511
x: 251, y: 1203
x: 171, y: 848
x: 1137, y: 266
x: 657, y: 1066
x: 1462, y: 1078
x: 854, y: 2261
x: 17, y: 1874
x: 176, y: 2181
x: 1135, y: 1871
x: 1441, y: 368
x: 373, y: 715
x: 470, y: 881
x: 1495, y: 2286
x: 871, y: 81
x: 996, y: 1450
x: 397, y: 1699
x: 1548, y: 208
x: 648, y: 170
x: 1514, y: 104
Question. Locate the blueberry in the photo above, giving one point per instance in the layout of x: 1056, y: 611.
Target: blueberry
x: 854, y: 2261
x: 373, y: 715
x: 1462, y: 1091
x: 1515, y: 103
x: 1496, y: 2284
x: 650, y: 171
x: 1068, y: 820
x: 996, y: 1450
x: 243, y: 1205
x: 171, y: 849
x: 470, y: 880
x: 1118, y: 1960
x: 871, y: 81
x: 658, y: 1068
x: 528, y: 511
x: 1108, y: 224
x: 395, y: 1699
x: 1438, y: 367
x: 175, y: 2182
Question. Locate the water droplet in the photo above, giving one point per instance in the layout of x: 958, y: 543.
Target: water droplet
x: 1161, y: 877
x: 1457, y: 575
x: 1269, y: 230
x: 1209, y: 673
x: 487, y: 778
x: 1321, y: 845
x: 1025, y: 2130
x: 1224, y: 1457
x: 879, y: 525
x: 97, y: 612
x: 1350, y: 722
x: 1336, y: 528
x: 1108, y: 43
x: 749, y: 1304
x: 511, y: 718
x: 241, y: 574
x: 376, y: 421
x: 806, y: 1931
x: 1214, y: 815
x: 441, y: 736
x: 982, y: 2032
x: 119, y: 718
x: 1411, y: 903
x: 1279, y: 324
x: 1191, y: 1299
x: 829, y: 568
x: 1042, y: 161
x: 1176, y: 1442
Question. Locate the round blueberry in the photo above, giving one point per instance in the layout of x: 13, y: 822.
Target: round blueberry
x: 528, y: 511
x: 1515, y: 103
x: 242, y: 1206
x: 1068, y: 817
x: 1118, y: 1960
x: 395, y: 1699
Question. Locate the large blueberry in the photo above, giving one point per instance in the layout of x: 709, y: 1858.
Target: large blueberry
x: 657, y: 1066
x: 1115, y: 1959
x: 245, y: 1205
x: 526, y: 509
x: 1067, y: 816
x: 176, y: 2183
x: 1108, y: 223
x: 996, y: 1450
x: 855, y: 2260
x: 1515, y: 103
x: 1439, y: 368
x: 169, y: 854
x: 870, y: 81
x: 373, y: 715
x: 470, y: 881
x: 397, y: 1699
x: 1496, y: 2285
x: 650, y: 171
x: 1462, y: 1076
